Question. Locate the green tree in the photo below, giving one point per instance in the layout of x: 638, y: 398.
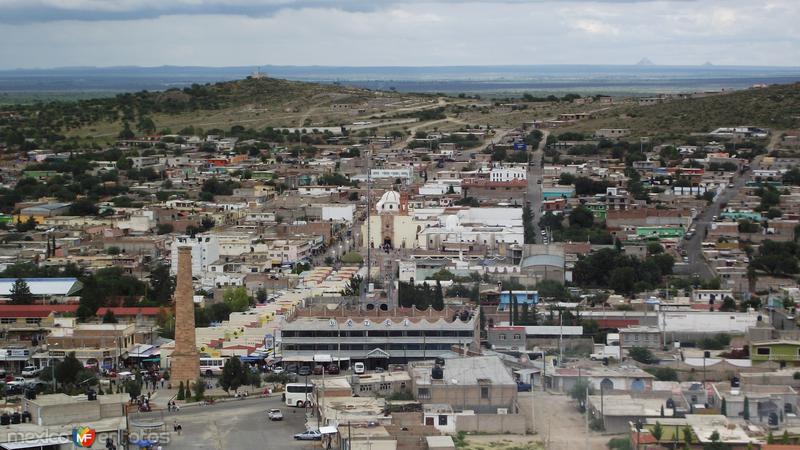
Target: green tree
x: 133, y: 388
x: 665, y: 374
x: 21, y: 293
x: 622, y: 280
x: 126, y: 132
x: 687, y: 436
x: 237, y: 299
x: 581, y: 217
x: 728, y: 304
x: 578, y: 391
x: 642, y: 355
x: 109, y: 316
x: 67, y: 370
x: 234, y: 374
x: 181, y: 394
x: 162, y: 285
x: 146, y: 125
x: 657, y: 431
x: 438, y: 297
x: 199, y: 390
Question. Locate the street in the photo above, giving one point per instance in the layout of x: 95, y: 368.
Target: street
x: 697, y: 265
x: 534, y: 193
x: 237, y: 424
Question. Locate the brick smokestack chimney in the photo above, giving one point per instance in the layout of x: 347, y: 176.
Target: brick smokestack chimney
x: 185, y: 362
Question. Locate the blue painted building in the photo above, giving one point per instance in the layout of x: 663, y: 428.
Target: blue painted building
x: 522, y: 297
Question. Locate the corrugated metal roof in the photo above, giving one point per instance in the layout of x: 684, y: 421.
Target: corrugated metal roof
x: 43, y: 286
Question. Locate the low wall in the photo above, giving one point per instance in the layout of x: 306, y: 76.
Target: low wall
x: 492, y: 423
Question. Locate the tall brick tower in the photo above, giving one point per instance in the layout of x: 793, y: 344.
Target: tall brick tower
x: 185, y: 360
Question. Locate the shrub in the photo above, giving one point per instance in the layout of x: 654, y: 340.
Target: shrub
x: 642, y: 355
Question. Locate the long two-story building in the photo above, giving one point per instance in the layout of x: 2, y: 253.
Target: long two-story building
x: 381, y: 337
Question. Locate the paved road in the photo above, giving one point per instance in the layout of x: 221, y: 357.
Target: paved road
x: 697, y: 265
x: 534, y: 194
x: 237, y: 425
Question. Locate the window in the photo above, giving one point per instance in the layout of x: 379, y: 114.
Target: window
x: 516, y: 337
x: 763, y: 351
x: 502, y: 337
x: 8, y: 320
x: 33, y: 320
x: 442, y: 420
x: 484, y: 392
x: 423, y: 393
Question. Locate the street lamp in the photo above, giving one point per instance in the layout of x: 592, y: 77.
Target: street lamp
x: 638, y: 424
x: 53, y: 368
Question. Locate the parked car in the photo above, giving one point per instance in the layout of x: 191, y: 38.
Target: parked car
x: 30, y: 371
x: 332, y: 369
x: 291, y: 368
x: 275, y: 414
x: 277, y: 370
x: 358, y: 368
x: 304, y: 371
x: 398, y: 368
x: 318, y: 369
x: 379, y: 370
x: 523, y: 387
x: 17, y: 381
x: 310, y: 435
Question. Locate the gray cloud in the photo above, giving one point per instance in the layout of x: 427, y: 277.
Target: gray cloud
x: 410, y: 33
x: 31, y: 11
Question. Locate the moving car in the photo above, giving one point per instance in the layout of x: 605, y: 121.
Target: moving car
x: 275, y: 414
x: 310, y: 435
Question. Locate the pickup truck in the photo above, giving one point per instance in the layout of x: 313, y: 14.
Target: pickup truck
x: 31, y: 371
x: 601, y: 356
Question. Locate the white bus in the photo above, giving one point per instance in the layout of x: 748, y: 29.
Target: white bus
x: 297, y: 394
x: 211, y: 366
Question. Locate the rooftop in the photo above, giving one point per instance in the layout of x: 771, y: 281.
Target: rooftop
x: 466, y: 371
x: 43, y: 286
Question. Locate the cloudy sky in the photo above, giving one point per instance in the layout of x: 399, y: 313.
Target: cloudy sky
x: 56, y: 33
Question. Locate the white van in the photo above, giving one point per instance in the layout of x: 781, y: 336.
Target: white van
x: 358, y: 368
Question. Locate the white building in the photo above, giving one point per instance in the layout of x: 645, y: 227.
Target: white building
x: 339, y: 212
x: 504, y: 174
x: 404, y: 173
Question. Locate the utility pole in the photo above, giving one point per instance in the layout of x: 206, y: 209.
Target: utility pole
x: 369, y: 223
x: 586, y: 407
x: 560, y: 337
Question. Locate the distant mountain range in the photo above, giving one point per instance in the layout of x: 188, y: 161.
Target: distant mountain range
x: 644, y: 77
